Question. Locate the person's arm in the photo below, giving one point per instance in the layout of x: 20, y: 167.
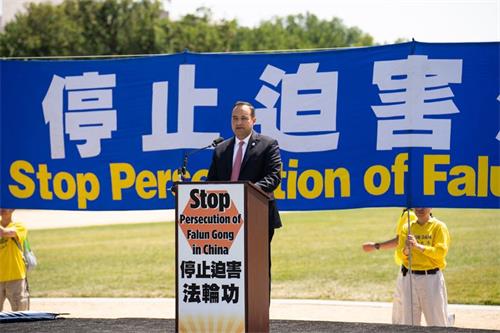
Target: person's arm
x: 8, y: 232
x: 272, y: 174
x: 402, y: 250
x: 385, y: 245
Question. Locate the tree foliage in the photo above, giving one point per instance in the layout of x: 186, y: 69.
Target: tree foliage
x: 117, y: 27
x: 301, y: 32
x: 84, y: 27
x: 200, y: 33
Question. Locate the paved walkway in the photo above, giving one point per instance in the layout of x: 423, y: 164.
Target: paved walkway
x: 467, y: 316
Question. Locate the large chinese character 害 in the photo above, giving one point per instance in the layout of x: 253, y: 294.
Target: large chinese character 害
x: 233, y: 269
x: 415, y: 93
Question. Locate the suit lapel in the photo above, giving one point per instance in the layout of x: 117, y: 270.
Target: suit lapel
x: 229, y: 156
x: 252, y: 142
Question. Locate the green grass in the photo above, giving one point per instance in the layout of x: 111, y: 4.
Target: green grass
x: 130, y: 260
x: 315, y: 255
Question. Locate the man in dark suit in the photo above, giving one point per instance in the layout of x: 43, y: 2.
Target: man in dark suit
x: 259, y: 156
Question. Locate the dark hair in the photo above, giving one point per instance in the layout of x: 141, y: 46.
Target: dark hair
x: 240, y: 103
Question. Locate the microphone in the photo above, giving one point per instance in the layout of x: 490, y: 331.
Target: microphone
x: 217, y: 141
x: 182, y: 170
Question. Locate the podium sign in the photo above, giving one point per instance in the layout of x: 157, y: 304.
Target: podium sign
x: 210, y: 261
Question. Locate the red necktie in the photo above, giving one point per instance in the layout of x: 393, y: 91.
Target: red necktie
x: 237, y: 163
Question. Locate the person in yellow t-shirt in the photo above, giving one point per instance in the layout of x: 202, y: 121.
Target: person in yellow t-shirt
x: 428, y: 241
x: 13, y: 285
x: 397, y: 314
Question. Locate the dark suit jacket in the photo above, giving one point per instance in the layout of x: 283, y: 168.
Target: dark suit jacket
x: 261, y: 165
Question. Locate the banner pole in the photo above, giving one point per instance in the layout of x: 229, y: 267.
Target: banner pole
x: 409, y: 268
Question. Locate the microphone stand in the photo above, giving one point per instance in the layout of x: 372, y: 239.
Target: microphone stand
x: 182, y: 170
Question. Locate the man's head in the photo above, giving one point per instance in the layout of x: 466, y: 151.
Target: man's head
x: 423, y: 214
x: 242, y: 119
x: 6, y: 214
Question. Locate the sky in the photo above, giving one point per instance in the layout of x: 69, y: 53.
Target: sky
x: 385, y: 20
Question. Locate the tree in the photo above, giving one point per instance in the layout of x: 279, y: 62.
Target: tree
x: 302, y: 32
x: 84, y: 27
x: 44, y: 31
x: 121, y: 27
x: 198, y: 32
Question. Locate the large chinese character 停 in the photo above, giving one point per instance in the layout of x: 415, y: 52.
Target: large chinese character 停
x: 88, y: 117
x: 187, y: 269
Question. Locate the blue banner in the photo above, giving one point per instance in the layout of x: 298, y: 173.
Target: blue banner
x: 411, y: 125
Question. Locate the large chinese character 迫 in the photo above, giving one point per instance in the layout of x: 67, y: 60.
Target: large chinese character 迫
x: 308, y: 108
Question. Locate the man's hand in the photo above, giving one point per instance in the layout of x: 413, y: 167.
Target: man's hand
x: 173, y: 189
x: 411, y: 242
x: 369, y: 247
x: 7, y: 232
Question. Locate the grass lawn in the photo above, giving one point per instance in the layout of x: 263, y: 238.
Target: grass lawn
x: 315, y: 255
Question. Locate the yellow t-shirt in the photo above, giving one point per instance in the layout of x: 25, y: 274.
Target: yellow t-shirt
x: 435, y: 237
x: 12, y: 265
x: 402, y: 222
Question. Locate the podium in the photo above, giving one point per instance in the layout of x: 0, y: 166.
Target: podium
x: 222, y: 257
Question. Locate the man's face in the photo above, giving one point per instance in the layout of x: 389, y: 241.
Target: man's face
x: 242, y: 121
x: 423, y: 214
x: 6, y: 214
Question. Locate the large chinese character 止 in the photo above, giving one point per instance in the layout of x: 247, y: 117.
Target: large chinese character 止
x: 308, y: 110
x: 203, y: 270
x: 189, y: 98
x: 88, y: 117
x: 415, y: 91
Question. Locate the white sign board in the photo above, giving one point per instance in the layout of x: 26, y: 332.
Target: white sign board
x: 211, y: 258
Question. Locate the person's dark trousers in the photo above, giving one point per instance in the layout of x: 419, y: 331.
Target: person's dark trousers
x: 271, y: 234
x: 273, y: 216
